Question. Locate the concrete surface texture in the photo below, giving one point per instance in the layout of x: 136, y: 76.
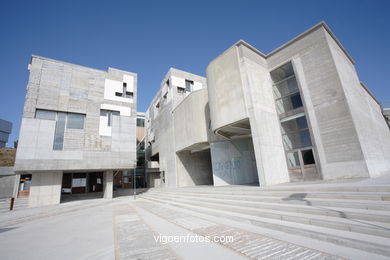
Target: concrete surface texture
x: 59, y: 86
x: 347, y: 134
x: 75, y: 119
x: 175, y: 88
x: 333, y: 220
x: 5, y: 130
x: 7, y: 180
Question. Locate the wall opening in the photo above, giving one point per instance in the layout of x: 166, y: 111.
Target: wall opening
x: 81, y: 185
x: 297, y: 142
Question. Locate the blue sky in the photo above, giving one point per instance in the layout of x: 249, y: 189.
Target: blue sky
x: 149, y: 37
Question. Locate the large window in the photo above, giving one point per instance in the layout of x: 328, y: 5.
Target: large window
x: 294, y: 126
x: 295, y: 132
x: 287, y: 95
x: 63, y: 120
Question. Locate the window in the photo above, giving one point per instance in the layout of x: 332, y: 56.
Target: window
x: 59, y: 131
x: 63, y: 120
x: 45, y: 114
x: 165, y: 95
x: 124, y: 93
x: 288, y: 103
x: 140, y: 122
x: 295, y: 132
x: 75, y: 121
x: 109, y: 114
x: 293, y: 159
x: 181, y: 90
x: 308, y: 157
x: 189, y: 85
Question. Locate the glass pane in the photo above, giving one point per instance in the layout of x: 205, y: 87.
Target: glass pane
x: 308, y: 157
x: 189, y: 85
x: 293, y: 159
x: 140, y: 122
x: 305, y: 138
x: 75, y: 121
x: 294, y: 124
x: 288, y: 103
x: 296, y: 140
x: 45, y: 114
x: 286, y: 87
x: 110, y: 117
x: 59, y: 131
x: 296, y: 100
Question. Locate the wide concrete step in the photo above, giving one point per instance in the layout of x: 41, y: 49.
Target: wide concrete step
x: 296, y: 200
x: 365, y: 242
x: 254, y: 241
x: 339, y: 223
x: 347, y: 213
x: 287, y: 195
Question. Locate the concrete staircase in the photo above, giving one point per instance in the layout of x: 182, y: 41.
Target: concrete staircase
x: 19, y: 203
x: 353, y: 218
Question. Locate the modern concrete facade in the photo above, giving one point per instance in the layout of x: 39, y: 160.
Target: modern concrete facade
x: 5, y: 131
x: 78, y: 125
x: 161, y: 132
x: 299, y: 113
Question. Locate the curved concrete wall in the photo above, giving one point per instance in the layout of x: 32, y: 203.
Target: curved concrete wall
x: 226, y: 96
x: 190, y: 119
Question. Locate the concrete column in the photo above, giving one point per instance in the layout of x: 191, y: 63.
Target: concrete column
x: 16, y: 185
x: 108, y: 179
x: 45, y: 188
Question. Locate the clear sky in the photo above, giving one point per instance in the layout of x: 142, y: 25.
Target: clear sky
x: 149, y: 37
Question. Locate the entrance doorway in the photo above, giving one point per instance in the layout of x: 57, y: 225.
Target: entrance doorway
x: 75, y: 185
x: 24, y: 185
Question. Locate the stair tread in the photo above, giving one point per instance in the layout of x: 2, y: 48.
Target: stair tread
x: 323, y: 246
x: 346, y: 221
x: 246, y: 196
x: 286, y: 205
x: 381, y: 241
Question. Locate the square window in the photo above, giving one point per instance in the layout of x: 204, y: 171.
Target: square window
x: 181, y: 90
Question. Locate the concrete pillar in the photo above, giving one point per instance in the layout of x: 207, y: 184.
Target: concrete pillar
x: 45, y: 188
x: 16, y: 185
x: 108, y: 179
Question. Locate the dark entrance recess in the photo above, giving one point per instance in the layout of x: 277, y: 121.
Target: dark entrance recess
x: 82, y: 182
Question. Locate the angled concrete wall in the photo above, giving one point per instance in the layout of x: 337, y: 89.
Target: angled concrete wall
x: 191, y: 126
x: 371, y: 127
x: 338, y: 151
x: 160, y: 137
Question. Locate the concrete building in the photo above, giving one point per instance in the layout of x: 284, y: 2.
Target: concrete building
x: 5, y: 131
x: 161, y: 149
x: 78, y: 126
x: 299, y: 113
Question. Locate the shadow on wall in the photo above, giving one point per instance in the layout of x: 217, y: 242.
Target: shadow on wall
x: 196, y: 168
